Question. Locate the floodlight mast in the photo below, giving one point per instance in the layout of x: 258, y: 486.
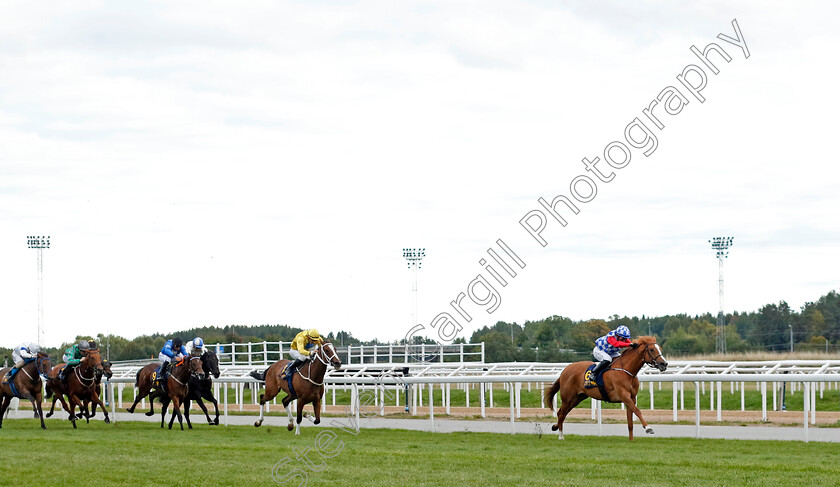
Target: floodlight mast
x: 39, y: 243
x: 414, y: 257
x: 721, y: 247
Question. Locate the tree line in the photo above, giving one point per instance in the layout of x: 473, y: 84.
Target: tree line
x: 814, y: 327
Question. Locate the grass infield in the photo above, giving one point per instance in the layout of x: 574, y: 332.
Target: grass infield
x: 129, y: 453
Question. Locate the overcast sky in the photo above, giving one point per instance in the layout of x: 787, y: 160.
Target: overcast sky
x: 200, y: 164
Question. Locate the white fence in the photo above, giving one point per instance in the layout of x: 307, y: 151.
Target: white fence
x: 266, y: 353
x: 380, y: 383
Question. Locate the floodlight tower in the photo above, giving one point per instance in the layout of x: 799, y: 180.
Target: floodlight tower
x: 415, y: 262
x: 721, y: 247
x: 39, y: 243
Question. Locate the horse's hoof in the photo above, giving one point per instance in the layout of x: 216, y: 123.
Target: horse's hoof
x: 107, y: 420
x: 553, y: 427
x: 149, y: 413
x: 216, y: 422
x: 36, y: 415
x: 290, y: 427
x: 48, y: 415
x: 649, y: 430
x: 317, y: 421
x: 130, y: 410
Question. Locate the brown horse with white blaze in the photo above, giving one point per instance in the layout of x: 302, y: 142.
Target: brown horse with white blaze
x: 620, y: 382
x: 308, y: 383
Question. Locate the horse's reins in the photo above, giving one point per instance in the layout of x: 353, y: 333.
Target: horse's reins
x: 326, y: 364
x: 82, y: 379
x: 38, y: 360
x: 652, y: 362
x: 176, y: 379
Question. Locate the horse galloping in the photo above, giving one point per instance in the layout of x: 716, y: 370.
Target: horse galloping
x: 26, y: 384
x: 79, y: 386
x: 620, y: 382
x: 177, y: 387
x: 198, y: 389
x: 308, y: 384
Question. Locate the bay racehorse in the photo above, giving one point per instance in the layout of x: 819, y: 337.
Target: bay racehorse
x: 308, y: 384
x: 79, y: 386
x: 26, y: 384
x: 620, y: 382
x: 177, y: 386
x: 198, y: 389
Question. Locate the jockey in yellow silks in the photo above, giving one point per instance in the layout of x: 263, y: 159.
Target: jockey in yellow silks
x: 300, y: 348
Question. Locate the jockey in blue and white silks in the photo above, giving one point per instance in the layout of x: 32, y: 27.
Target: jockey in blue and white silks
x: 172, y: 349
x: 23, y: 353
x: 608, y: 347
x: 195, y: 348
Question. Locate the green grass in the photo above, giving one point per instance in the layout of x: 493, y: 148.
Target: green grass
x: 129, y: 453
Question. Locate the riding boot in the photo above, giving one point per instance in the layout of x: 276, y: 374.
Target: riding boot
x: 297, y: 363
x: 164, y: 369
x: 603, y: 364
x: 62, y: 376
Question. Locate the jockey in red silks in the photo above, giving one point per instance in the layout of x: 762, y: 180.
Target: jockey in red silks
x: 607, y: 348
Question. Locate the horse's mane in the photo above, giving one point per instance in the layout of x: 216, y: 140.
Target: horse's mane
x: 645, y: 340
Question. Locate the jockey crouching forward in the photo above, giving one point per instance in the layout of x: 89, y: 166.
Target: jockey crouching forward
x: 23, y: 354
x: 300, y: 349
x: 607, y: 348
x: 72, y: 357
x: 172, y: 349
x: 195, y: 348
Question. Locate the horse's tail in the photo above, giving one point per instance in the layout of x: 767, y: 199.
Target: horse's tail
x: 550, y: 392
x: 260, y: 376
x: 137, y: 378
x: 48, y: 390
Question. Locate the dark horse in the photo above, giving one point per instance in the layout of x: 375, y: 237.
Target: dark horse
x: 79, y: 386
x: 27, y: 384
x: 106, y: 370
x: 620, y: 382
x: 198, y: 389
x: 308, y: 384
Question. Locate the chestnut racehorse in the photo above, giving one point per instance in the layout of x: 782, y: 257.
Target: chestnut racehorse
x: 620, y: 382
x: 79, y: 386
x: 27, y: 384
x: 308, y: 383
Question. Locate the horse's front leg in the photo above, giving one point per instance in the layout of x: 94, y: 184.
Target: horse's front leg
x: 209, y: 396
x: 187, y: 412
x: 96, y: 400
x: 300, y: 405
x: 36, y: 406
x: 176, y: 409
x: 317, y: 405
x: 203, y: 408
x: 74, y: 401
x: 630, y: 402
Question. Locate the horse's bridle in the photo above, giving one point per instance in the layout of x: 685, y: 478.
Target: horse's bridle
x: 326, y: 363
x: 652, y: 362
x: 191, y: 372
x: 83, y: 379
